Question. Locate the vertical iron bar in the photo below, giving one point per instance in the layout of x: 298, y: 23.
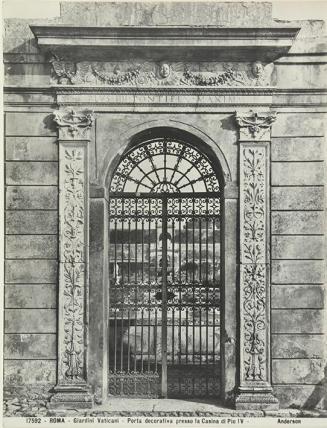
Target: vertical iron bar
x: 173, y: 334
x: 173, y: 250
x: 116, y: 262
x: 155, y: 340
x: 214, y: 284
x: 180, y: 284
x: 156, y: 266
x: 149, y: 284
x: 200, y: 279
x: 142, y: 257
x: 193, y: 282
x: 129, y: 252
x: 115, y: 341
x: 186, y: 283
x: 122, y: 244
x: 142, y: 331
x: 207, y: 291
x: 128, y: 340
x: 122, y: 339
x: 135, y: 289
x: 164, y: 300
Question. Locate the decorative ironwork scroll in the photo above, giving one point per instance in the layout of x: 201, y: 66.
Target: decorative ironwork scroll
x: 164, y: 272
x: 73, y: 281
x: 164, y: 165
x: 255, y: 390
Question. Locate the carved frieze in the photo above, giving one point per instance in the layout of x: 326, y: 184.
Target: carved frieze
x: 142, y: 73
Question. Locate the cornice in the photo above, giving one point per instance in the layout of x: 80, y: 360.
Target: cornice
x: 265, y: 44
x: 164, y: 32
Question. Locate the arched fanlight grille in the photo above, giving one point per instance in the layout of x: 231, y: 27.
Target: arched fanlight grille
x: 164, y: 165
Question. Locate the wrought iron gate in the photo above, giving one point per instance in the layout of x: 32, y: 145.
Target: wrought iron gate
x: 164, y: 320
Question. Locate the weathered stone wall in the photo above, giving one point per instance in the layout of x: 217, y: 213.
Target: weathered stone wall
x: 297, y: 257
x: 30, y: 249
x: 298, y: 175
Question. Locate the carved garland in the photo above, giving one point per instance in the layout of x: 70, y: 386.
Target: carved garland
x: 228, y: 77
x: 154, y: 74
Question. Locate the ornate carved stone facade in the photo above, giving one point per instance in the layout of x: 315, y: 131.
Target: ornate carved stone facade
x: 179, y: 69
x: 254, y: 131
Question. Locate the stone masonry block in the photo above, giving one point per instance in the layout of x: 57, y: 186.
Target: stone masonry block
x: 38, y: 222
x: 31, y: 197
x: 297, y: 271
x: 31, y: 296
x: 303, y: 371
x: 24, y: 372
x: 29, y: 346
x: 297, y: 247
x: 297, y: 198
x: 23, y: 124
x: 297, y: 149
x: 301, y: 396
x: 298, y: 125
x: 31, y: 148
x: 297, y: 296
x: 297, y: 346
x: 30, y: 271
x: 297, y: 173
x: 32, y: 173
x: 31, y: 246
x: 304, y: 223
x: 30, y: 321
x: 297, y: 321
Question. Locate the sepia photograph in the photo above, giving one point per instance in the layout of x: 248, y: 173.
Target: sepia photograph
x: 164, y: 213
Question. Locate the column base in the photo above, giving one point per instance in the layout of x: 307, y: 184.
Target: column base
x: 256, y: 401
x: 71, y: 397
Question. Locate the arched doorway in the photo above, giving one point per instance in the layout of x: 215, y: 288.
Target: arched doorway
x: 164, y: 269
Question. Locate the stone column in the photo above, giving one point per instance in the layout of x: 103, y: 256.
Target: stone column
x: 72, y: 390
x: 254, y: 391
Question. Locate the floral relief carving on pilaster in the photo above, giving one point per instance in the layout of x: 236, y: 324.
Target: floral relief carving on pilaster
x: 73, y: 244
x: 253, y: 258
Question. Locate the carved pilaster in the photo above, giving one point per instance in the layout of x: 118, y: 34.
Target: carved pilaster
x: 72, y: 389
x: 255, y: 391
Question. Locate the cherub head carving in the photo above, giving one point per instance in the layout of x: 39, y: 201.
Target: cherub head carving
x: 164, y: 69
x: 257, y: 69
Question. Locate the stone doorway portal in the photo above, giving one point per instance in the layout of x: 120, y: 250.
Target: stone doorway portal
x: 164, y: 272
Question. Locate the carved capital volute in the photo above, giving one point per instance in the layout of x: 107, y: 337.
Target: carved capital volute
x: 73, y: 125
x: 255, y: 126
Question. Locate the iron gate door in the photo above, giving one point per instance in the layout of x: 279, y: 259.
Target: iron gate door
x: 164, y: 317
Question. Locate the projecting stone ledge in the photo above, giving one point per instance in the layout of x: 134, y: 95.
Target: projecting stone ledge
x: 264, y: 44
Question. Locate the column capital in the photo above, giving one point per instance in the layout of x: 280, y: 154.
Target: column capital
x: 73, y: 125
x: 255, y: 126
